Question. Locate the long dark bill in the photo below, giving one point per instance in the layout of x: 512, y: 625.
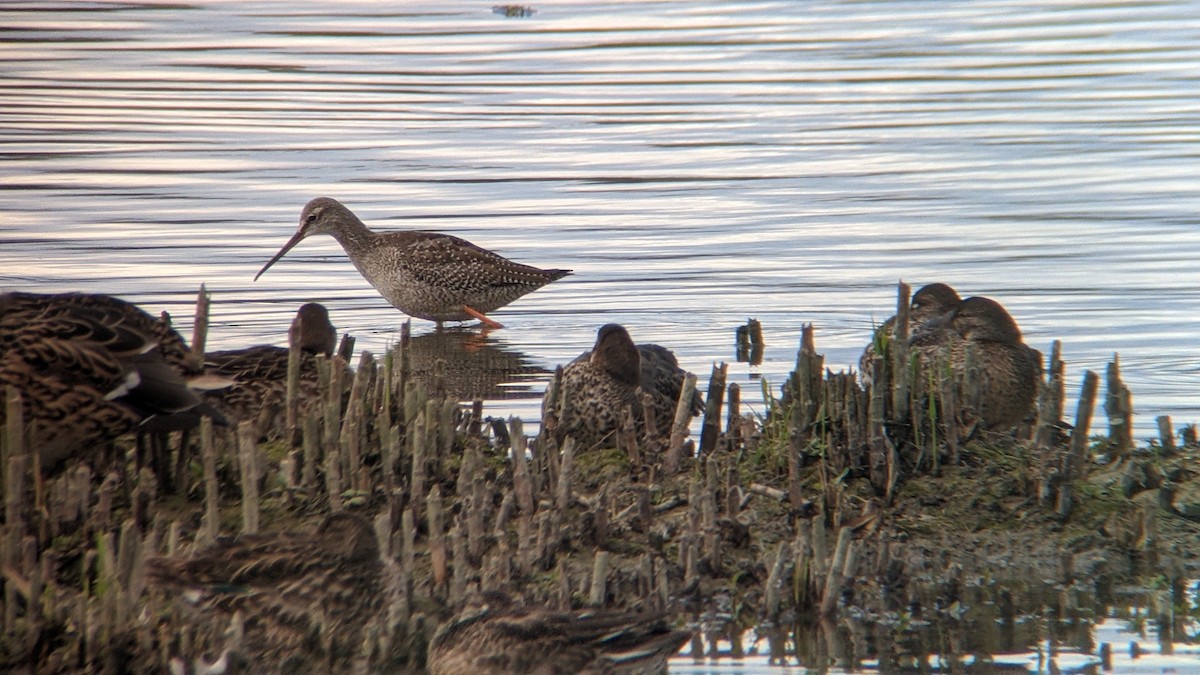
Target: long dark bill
x: 286, y: 247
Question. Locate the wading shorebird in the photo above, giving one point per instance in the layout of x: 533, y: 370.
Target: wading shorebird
x: 429, y: 275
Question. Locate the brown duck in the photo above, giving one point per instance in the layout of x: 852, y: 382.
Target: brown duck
x: 303, y: 595
x: 91, y: 368
x: 429, y: 275
x: 498, y: 639
x: 258, y: 375
x: 1010, y: 371
x: 928, y: 303
x: 599, y: 385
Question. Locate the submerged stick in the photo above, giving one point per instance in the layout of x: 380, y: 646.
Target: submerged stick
x: 437, y: 535
x: 1166, y: 435
x: 1083, y: 421
x: 210, y: 525
x: 679, y: 429
x: 711, y: 427
x: 565, y: 475
x: 292, y: 391
x: 248, y: 453
x: 1117, y: 405
x: 200, y: 325
x: 14, y: 449
x: 522, y: 481
x: 458, y: 575
x: 1075, y: 465
x: 311, y: 441
x: 833, y: 581
x: 900, y: 383
x: 733, y: 414
x: 599, y: 589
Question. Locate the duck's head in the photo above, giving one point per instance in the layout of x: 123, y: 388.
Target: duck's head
x: 979, y: 318
x: 616, y: 353
x: 317, y: 334
x: 932, y: 301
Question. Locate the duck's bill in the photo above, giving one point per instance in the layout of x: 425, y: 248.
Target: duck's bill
x: 286, y: 247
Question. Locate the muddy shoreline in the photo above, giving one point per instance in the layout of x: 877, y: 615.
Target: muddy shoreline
x: 831, y: 505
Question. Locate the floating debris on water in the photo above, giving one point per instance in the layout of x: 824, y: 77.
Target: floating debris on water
x: 514, y: 11
x: 750, y: 344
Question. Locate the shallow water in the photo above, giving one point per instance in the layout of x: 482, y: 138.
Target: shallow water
x: 695, y: 163
x: 1039, y: 628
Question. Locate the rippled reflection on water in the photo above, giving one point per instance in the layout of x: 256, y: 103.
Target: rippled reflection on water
x: 984, y: 626
x: 696, y: 164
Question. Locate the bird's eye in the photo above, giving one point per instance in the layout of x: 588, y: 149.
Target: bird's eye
x: 312, y: 218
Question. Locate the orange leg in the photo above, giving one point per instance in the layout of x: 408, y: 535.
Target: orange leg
x: 488, y: 323
x: 476, y: 342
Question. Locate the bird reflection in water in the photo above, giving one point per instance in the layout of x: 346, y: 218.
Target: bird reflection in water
x: 467, y: 363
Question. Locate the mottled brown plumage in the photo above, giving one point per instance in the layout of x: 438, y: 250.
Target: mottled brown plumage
x: 158, y: 329
x: 433, y: 276
x: 302, y: 595
x: 498, y: 639
x: 599, y: 385
x: 1009, y: 370
x: 92, y: 367
x: 258, y: 375
x: 928, y: 303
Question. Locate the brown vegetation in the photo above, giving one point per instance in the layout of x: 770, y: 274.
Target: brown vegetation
x: 838, y: 501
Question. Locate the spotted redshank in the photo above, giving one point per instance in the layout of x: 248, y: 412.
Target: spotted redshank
x: 429, y: 275
x: 599, y: 385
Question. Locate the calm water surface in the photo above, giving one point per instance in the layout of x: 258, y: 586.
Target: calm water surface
x: 695, y: 163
